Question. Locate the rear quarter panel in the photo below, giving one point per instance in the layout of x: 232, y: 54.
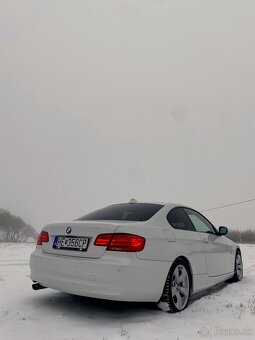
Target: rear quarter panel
x: 164, y: 243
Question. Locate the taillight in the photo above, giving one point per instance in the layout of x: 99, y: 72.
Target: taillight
x: 42, y: 237
x: 126, y: 242
x: 103, y: 240
x: 120, y: 242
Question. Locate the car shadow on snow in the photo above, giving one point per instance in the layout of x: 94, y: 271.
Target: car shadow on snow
x: 97, y: 310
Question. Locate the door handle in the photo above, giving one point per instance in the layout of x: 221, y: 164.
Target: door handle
x: 205, y: 240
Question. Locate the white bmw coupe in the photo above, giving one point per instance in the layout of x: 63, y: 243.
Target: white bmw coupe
x: 149, y: 252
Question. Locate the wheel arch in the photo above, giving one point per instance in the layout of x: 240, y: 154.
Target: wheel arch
x: 185, y: 259
x: 238, y: 249
x: 165, y: 293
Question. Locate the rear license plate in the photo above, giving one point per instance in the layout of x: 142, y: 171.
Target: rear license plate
x: 71, y: 243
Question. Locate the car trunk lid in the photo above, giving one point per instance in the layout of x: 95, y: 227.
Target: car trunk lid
x: 87, y: 229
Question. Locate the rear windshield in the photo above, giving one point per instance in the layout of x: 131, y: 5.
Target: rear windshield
x: 124, y: 212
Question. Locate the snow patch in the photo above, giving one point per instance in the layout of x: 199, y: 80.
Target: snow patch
x: 48, y: 314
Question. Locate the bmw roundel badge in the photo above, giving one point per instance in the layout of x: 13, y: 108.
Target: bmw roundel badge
x: 68, y: 230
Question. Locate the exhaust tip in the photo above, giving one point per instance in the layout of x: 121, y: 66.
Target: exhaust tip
x: 37, y: 286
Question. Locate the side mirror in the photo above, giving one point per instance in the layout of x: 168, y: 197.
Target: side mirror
x: 223, y: 231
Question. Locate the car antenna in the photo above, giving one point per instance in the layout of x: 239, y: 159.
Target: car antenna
x: 132, y: 201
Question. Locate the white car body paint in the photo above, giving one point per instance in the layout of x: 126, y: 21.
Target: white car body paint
x: 128, y: 276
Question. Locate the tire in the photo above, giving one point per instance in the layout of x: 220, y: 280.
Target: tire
x: 238, y: 274
x: 176, y: 293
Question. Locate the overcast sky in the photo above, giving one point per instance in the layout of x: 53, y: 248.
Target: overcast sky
x: 105, y: 100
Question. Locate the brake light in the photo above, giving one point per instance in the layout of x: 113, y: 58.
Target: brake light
x: 103, y: 240
x: 126, y: 242
x: 42, y: 237
x: 121, y: 242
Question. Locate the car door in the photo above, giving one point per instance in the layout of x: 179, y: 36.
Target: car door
x: 187, y: 241
x: 217, y: 251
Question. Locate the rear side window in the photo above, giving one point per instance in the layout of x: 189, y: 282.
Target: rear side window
x: 124, y: 212
x: 179, y: 220
x: 200, y: 223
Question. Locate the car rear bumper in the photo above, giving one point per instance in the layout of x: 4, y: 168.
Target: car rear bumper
x: 115, y: 276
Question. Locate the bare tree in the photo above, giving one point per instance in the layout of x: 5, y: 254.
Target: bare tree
x: 14, y: 229
x: 246, y: 236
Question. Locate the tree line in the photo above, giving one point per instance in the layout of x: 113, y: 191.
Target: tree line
x: 245, y: 236
x: 14, y: 229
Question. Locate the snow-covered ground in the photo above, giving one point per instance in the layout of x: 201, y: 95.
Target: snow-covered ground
x: 47, y: 314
